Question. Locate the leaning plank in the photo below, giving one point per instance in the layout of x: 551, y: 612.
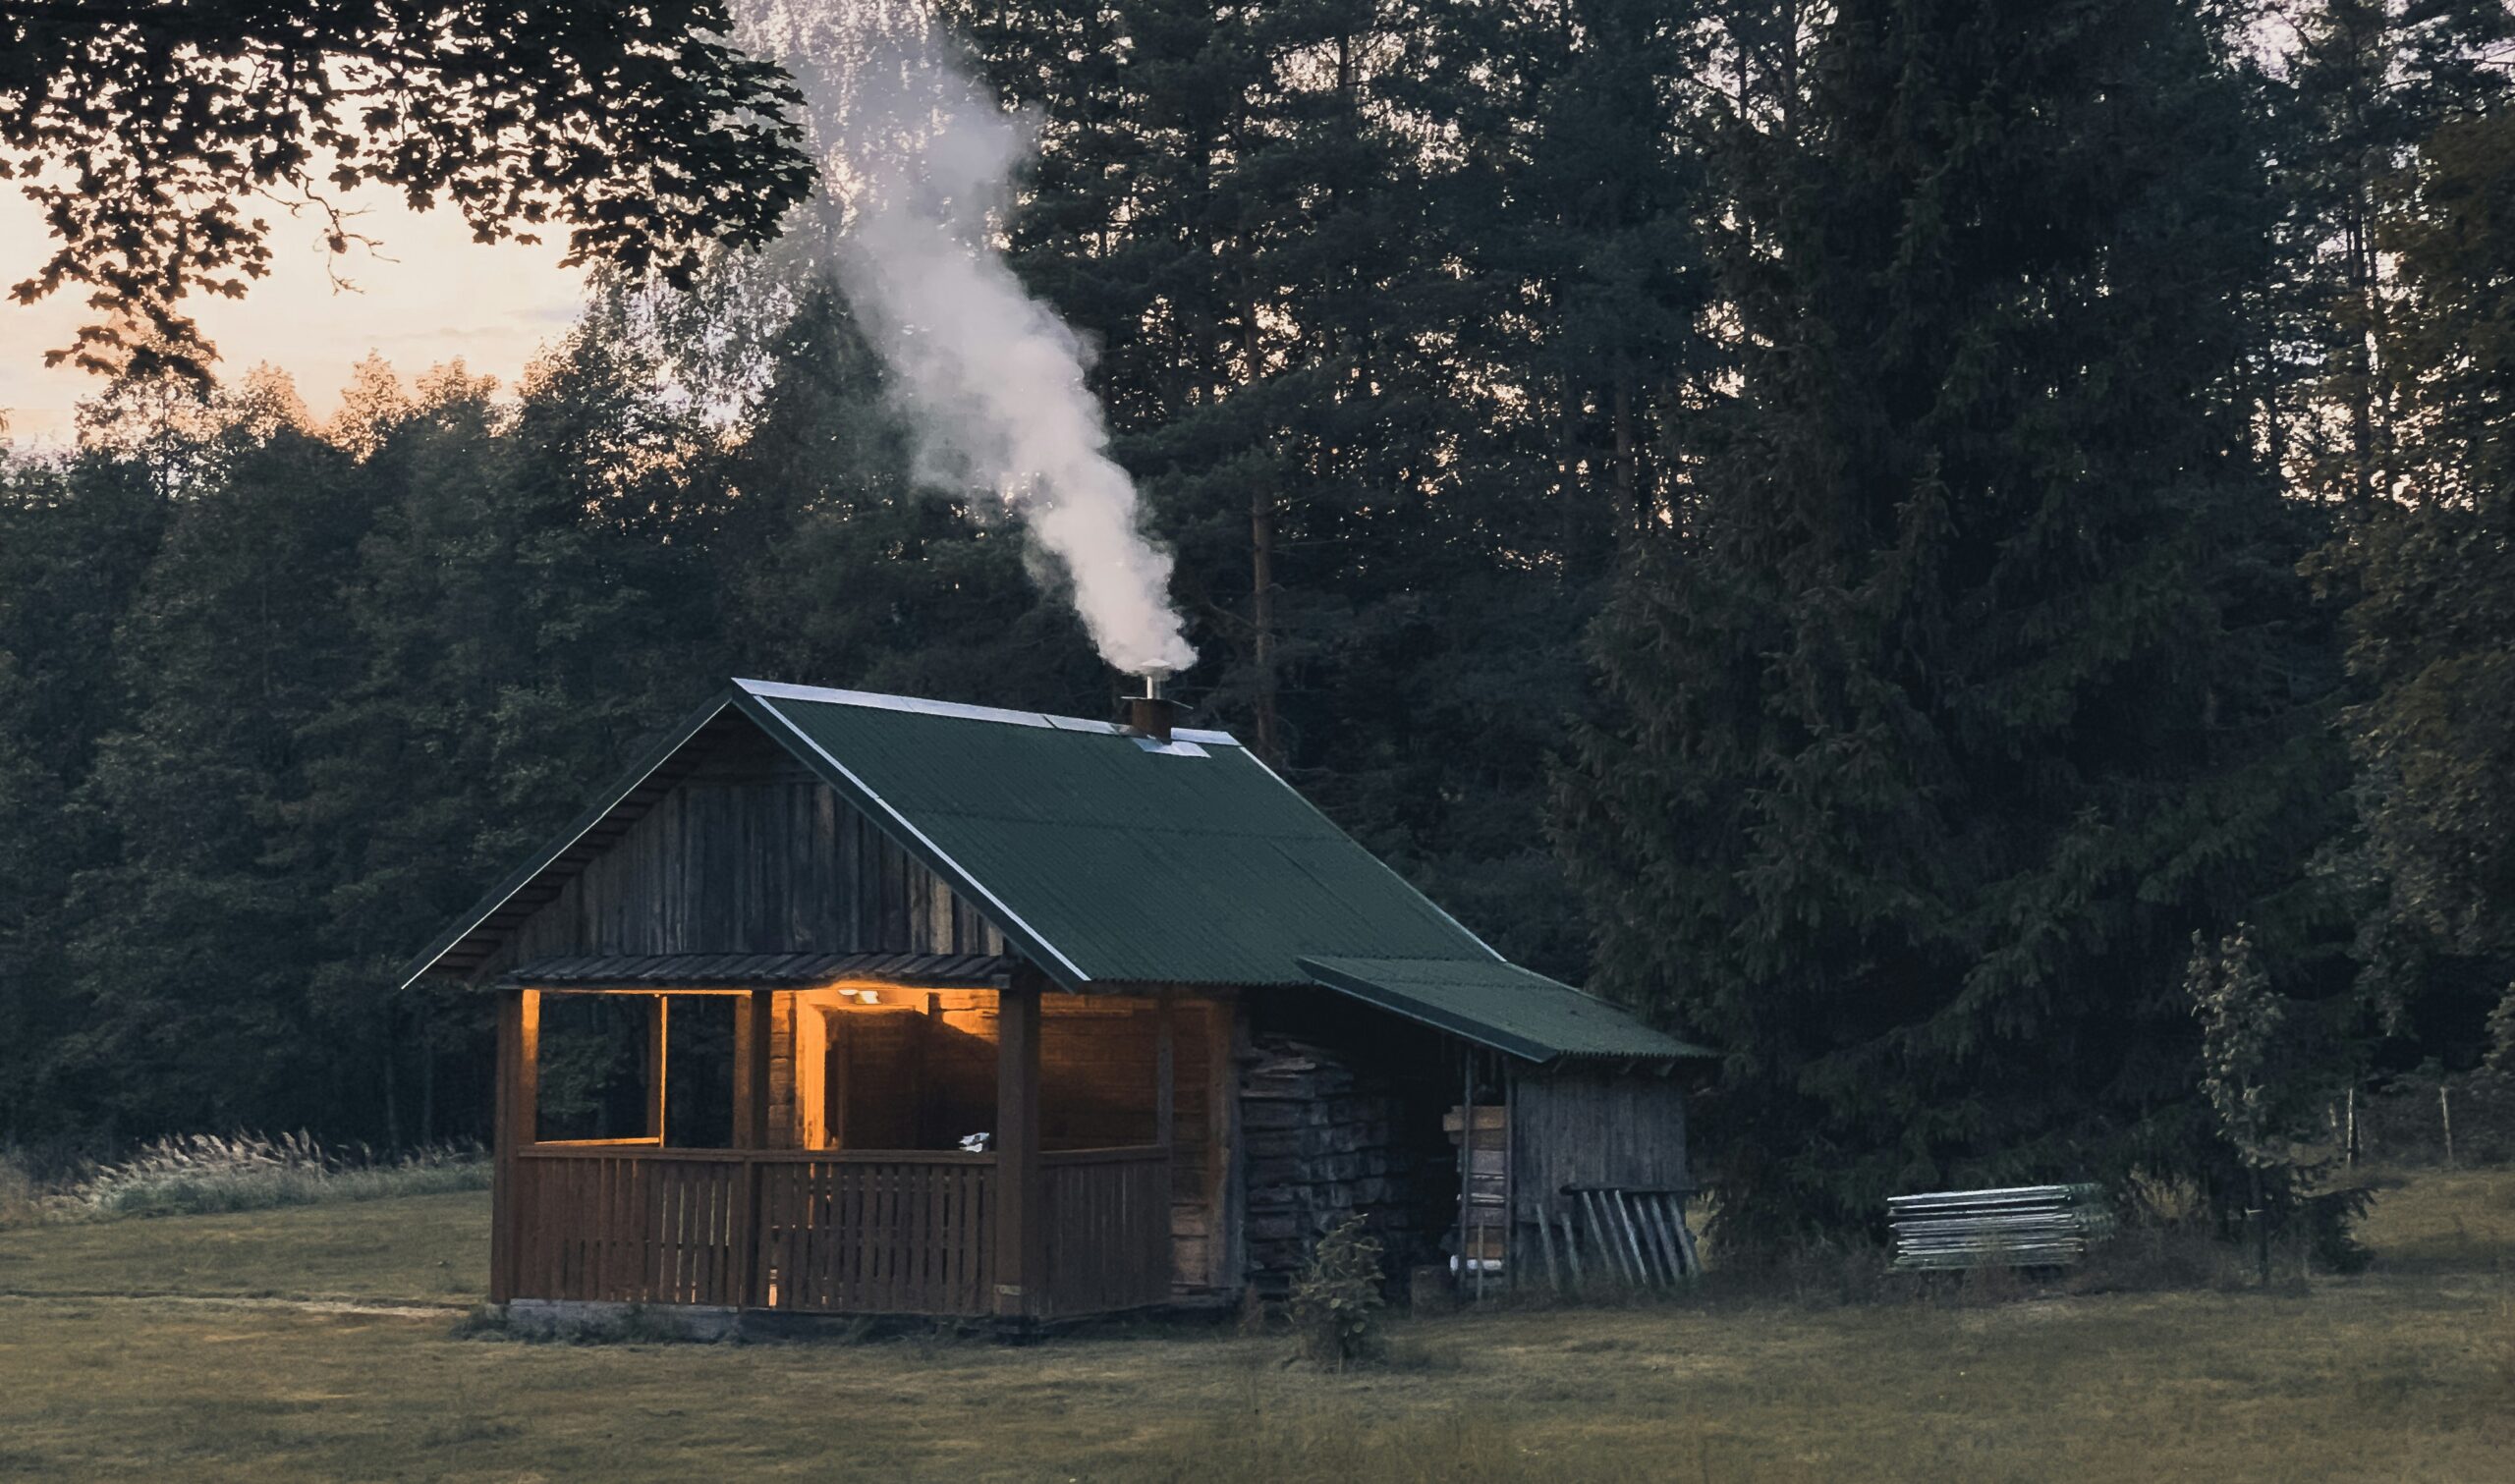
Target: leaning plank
x: 1545, y: 1245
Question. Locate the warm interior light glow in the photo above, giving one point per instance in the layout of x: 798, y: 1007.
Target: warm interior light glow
x: 862, y: 992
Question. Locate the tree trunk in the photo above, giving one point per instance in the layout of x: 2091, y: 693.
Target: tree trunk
x: 1628, y: 482
x: 1262, y: 557
x: 392, y: 1100
x: 1261, y: 619
x: 2260, y: 1232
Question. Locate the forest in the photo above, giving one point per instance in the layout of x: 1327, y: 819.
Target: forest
x: 1908, y: 540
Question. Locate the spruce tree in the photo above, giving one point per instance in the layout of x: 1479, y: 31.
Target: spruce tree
x: 1393, y: 310
x: 1969, y: 676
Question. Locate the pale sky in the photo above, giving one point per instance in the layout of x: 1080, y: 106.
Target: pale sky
x: 440, y: 295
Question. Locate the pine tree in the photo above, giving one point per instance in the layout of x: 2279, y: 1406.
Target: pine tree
x: 2361, y: 83
x: 1377, y: 293
x: 2431, y: 628
x: 1969, y: 676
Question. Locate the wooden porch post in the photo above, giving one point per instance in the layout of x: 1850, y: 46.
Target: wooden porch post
x: 750, y: 1070
x: 750, y: 1133
x: 519, y: 1069
x: 1226, y: 1189
x: 1020, y: 1190
x: 1165, y: 1076
x: 1466, y: 1164
x: 655, y: 1059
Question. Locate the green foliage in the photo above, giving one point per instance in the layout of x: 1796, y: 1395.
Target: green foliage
x: 1971, y: 674
x: 1337, y: 1296
x: 2259, y: 1088
x: 142, y: 132
x: 1375, y: 291
x: 2240, y: 1021
x: 358, y: 674
x: 1898, y: 395
x: 2364, y: 83
x: 2327, y: 1224
x: 2435, y: 598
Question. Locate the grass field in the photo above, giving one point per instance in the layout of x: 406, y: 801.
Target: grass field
x: 2406, y: 1372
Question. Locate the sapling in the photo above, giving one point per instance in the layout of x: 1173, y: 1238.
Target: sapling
x: 1336, y: 1300
x: 2240, y: 1020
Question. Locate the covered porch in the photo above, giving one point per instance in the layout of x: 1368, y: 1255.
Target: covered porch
x: 927, y: 1135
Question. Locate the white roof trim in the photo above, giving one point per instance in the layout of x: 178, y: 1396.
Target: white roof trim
x: 875, y: 700
x: 592, y: 821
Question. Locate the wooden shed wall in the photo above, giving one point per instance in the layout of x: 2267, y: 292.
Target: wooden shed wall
x: 1596, y: 1126
x: 752, y: 853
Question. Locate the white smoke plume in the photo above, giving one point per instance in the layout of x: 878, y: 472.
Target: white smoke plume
x: 918, y: 165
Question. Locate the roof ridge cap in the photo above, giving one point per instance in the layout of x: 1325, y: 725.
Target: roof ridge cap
x: 882, y: 701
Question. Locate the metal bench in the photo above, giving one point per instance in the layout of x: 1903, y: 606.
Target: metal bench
x: 2020, y: 1227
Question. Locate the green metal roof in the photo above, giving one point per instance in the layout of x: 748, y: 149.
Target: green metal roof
x: 1499, y: 1004
x: 1109, y: 859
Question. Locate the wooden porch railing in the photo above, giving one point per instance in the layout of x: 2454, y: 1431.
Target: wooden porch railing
x: 829, y: 1232
x: 628, y: 1223
x: 1107, y: 1229
x: 806, y: 1231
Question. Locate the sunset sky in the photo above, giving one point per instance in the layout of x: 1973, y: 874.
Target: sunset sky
x: 440, y: 296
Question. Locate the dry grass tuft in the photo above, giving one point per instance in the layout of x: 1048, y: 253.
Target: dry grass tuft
x: 20, y: 1202
x: 198, y: 1173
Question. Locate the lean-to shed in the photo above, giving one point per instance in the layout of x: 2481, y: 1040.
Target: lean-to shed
x: 844, y: 1003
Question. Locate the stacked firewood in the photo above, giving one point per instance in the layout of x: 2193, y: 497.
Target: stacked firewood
x: 1321, y: 1143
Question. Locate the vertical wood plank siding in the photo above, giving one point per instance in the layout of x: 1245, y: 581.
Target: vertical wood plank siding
x: 1599, y: 1127
x: 751, y: 853
x: 1107, y: 1218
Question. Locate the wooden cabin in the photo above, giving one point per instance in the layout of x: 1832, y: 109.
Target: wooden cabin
x: 855, y: 1003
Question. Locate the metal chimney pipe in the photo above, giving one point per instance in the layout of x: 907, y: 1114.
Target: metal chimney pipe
x: 1150, y: 711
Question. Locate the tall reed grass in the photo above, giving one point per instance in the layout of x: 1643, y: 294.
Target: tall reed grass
x: 198, y: 1173
x: 22, y: 1200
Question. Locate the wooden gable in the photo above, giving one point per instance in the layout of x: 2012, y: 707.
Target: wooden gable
x: 746, y: 852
